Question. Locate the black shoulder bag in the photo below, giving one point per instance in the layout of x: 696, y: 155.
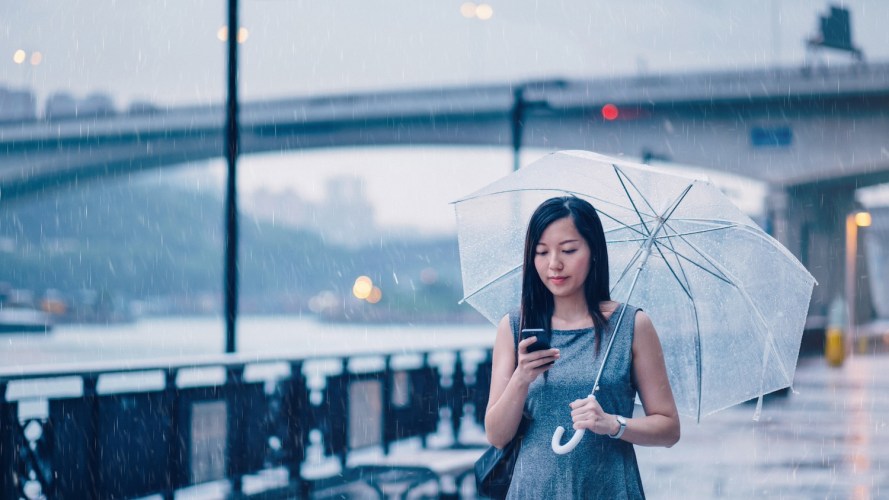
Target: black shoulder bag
x: 493, y: 470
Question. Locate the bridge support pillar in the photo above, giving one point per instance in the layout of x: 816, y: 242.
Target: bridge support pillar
x: 811, y: 222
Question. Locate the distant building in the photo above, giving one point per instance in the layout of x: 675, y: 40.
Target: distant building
x: 64, y: 105
x: 60, y: 105
x: 285, y: 208
x: 345, y: 217
x: 17, y: 105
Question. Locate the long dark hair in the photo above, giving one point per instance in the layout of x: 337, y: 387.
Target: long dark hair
x: 538, y: 304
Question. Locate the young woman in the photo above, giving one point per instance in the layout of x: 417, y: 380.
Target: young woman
x: 565, y: 292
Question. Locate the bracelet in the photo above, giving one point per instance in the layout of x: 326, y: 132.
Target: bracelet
x: 623, y: 426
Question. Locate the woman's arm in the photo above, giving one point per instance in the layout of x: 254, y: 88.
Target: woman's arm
x: 510, y: 381
x: 660, y: 425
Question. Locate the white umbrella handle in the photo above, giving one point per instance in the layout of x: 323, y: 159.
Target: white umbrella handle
x: 562, y: 449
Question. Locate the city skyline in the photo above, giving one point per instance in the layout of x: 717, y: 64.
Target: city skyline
x: 407, y: 194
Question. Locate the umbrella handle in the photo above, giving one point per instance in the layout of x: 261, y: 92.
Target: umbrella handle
x: 562, y: 449
x: 556, y: 443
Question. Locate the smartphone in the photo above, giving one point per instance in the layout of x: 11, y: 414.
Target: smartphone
x: 540, y: 344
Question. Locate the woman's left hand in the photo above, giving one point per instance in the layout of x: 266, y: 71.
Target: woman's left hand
x: 588, y: 414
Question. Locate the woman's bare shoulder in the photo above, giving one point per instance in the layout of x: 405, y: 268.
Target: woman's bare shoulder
x: 643, y: 322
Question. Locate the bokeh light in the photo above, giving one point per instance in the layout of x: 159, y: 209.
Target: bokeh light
x: 222, y: 34
x: 484, y: 11
x: 19, y: 56
x: 863, y: 219
x: 362, y: 288
x: 375, y: 295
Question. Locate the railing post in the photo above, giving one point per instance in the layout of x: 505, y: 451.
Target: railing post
x: 347, y: 410
x: 236, y: 420
x: 94, y: 480
x: 297, y: 418
x: 8, y: 445
x: 458, y: 390
x: 386, y: 404
x: 176, y: 473
x: 424, y: 438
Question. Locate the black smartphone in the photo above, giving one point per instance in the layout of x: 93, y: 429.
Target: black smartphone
x: 540, y: 344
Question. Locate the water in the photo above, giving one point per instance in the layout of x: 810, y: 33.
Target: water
x: 175, y: 340
x: 184, y: 338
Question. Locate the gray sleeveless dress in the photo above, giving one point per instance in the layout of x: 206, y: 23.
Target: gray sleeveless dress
x: 600, y: 467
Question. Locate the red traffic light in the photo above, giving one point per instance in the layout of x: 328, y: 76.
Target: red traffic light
x: 610, y: 112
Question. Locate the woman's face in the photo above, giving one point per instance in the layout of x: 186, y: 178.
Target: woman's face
x: 562, y: 258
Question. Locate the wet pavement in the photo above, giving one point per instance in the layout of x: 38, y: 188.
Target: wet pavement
x: 827, y: 439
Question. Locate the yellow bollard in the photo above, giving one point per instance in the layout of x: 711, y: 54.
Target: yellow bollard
x: 834, y: 351
x: 834, y: 341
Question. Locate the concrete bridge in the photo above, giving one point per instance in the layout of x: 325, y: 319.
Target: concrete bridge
x: 813, y: 134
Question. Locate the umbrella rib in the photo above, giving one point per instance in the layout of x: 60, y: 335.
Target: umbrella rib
x: 699, y: 369
x: 626, y: 270
x: 663, y: 222
x: 740, y: 227
x: 638, y: 191
x: 756, y: 232
x: 491, y: 282
x: 620, y: 178
x: 709, y: 221
x: 631, y: 227
x: 521, y: 190
x: 763, y: 326
x: 683, y: 282
x: 702, y: 268
x: 713, y: 273
x: 676, y: 234
x: 666, y: 218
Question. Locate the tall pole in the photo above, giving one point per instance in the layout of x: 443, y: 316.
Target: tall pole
x: 851, y: 271
x: 517, y: 118
x: 231, y: 193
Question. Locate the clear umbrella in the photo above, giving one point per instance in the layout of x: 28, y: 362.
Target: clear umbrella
x: 729, y: 302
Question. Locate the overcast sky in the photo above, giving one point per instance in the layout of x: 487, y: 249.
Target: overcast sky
x: 168, y: 52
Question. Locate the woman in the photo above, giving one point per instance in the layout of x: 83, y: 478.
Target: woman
x: 565, y: 292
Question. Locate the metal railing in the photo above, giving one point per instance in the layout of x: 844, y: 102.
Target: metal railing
x: 134, y: 429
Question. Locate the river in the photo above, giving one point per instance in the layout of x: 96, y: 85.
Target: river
x: 187, y: 337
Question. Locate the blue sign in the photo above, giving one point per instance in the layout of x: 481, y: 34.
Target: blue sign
x: 771, y: 137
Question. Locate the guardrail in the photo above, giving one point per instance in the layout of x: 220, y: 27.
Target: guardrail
x: 134, y: 429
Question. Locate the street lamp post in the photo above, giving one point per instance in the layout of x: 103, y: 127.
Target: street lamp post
x: 854, y: 220
x: 519, y: 113
x: 231, y: 195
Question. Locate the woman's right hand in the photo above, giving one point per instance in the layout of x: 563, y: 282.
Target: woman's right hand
x: 530, y: 365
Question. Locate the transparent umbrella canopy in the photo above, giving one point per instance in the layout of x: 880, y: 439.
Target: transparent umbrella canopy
x: 728, y: 301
